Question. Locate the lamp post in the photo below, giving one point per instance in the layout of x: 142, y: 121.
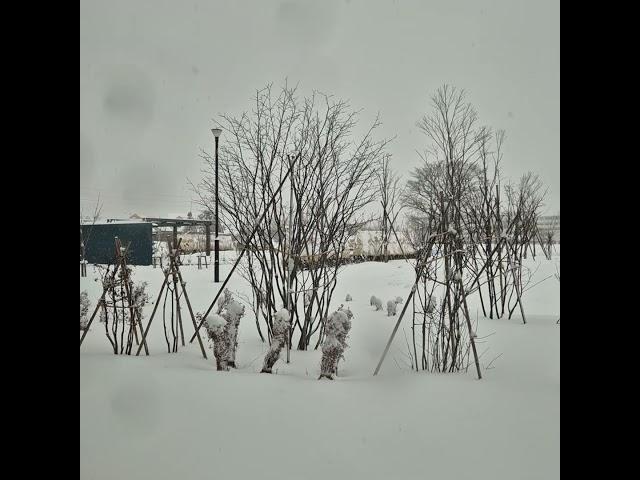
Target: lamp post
x: 216, y: 242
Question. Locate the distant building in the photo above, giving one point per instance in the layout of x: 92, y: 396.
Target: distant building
x: 549, y: 224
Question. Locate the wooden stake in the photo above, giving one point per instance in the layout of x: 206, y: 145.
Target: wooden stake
x: 193, y: 318
x: 515, y: 282
x: 132, y: 311
x: 471, y: 338
x: 100, y: 301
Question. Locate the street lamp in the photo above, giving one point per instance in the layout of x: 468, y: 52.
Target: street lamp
x: 216, y: 242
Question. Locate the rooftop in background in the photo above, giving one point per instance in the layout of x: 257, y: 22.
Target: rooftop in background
x: 164, y: 222
x: 90, y: 222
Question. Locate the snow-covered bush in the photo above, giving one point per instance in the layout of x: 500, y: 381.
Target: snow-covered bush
x: 372, y: 300
x: 121, y: 308
x: 280, y: 330
x: 232, y: 315
x: 347, y: 311
x: 376, y: 302
x: 391, y: 308
x: 217, y: 332
x: 336, y: 330
x: 398, y: 300
x: 348, y: 298
x: 140, y: 298
x: 84, y: 309
x: 231, y: 310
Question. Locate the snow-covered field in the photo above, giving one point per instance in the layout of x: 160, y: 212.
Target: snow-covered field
x: 170, y: 416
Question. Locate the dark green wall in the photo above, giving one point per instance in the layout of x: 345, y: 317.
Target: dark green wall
x: 100, y: 244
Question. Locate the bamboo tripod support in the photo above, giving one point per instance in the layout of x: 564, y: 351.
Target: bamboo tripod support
x: 422, y: 265
x: 120, y: 264
x: 173, y: 272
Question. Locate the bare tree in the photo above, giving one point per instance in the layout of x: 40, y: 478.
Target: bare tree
x: 438, y: 193
x: 331, y: 184
x: 471, y: 233
x: 390, y: 194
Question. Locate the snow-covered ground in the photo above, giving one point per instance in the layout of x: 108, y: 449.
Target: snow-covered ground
x: 174, y: 416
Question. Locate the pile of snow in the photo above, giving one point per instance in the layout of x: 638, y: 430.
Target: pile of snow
x: 215, y: 323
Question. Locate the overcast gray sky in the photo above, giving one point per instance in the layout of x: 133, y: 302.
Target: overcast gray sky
x: 154, y: 73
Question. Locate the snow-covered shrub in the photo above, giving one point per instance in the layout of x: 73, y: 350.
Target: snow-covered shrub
x: 337, y: 328
x: 224, y: 299
x: 121, y: 322
x: 398, y: 300
x: 231, y: 311
x: 348, y: 298
x: 372, y: 300
x: 217, y: 332
x: 391, y: 308
x: 280, y: 330
x: 232, y: 314
x: 84, y: 309
x: 347, y: 311
x: 376, y: 302
x: 140, y: 298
